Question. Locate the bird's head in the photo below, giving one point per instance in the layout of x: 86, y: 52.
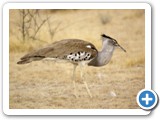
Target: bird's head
x: 112, y: 41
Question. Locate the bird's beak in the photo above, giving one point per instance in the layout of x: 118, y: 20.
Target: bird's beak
x: 121, y: 48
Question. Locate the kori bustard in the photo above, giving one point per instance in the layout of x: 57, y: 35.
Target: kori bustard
x: 77, y: 52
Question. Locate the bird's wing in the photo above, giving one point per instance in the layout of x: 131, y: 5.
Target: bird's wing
x: 61, y: 48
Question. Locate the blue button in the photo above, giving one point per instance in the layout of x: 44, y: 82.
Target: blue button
x: 147, y: 99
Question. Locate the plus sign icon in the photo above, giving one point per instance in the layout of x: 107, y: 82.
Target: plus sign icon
x: 147, y: 99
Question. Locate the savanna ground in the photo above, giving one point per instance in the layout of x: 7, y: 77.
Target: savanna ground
x: 49, y: 85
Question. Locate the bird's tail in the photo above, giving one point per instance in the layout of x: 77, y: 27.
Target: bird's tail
x: 24, y: 61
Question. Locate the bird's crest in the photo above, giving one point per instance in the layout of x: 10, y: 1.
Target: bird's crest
x: 105, y: 36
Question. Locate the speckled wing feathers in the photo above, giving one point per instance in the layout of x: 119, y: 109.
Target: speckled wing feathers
x: 60, y: 49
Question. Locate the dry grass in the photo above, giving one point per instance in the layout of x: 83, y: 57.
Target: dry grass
x: 48, y: 85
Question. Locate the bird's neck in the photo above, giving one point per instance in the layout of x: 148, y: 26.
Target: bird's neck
x: 103, y: 56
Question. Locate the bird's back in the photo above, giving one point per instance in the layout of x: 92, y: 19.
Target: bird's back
x: 73, y: 50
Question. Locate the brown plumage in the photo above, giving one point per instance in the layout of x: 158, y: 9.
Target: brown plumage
x: 60, y: 50
x: 78, y: 52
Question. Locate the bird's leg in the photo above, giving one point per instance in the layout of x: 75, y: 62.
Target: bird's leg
x: 74, y: 80
x: 83, y: 79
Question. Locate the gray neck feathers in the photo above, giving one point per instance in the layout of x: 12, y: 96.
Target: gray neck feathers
x: 104, y: 55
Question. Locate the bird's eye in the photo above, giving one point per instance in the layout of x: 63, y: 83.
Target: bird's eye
x: 115, y: 42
